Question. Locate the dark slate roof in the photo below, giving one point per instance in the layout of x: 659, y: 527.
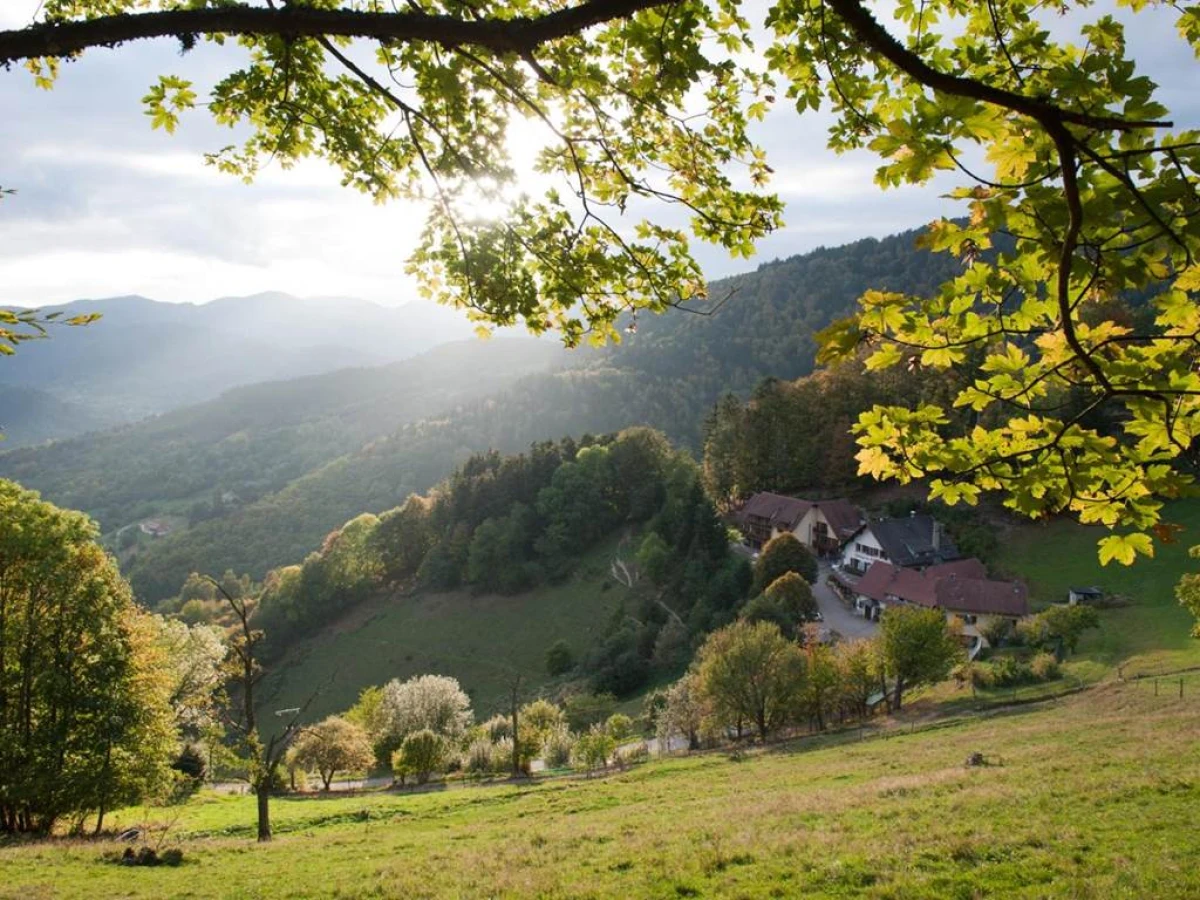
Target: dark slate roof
x: 961, y: 568
x: 909, y: 541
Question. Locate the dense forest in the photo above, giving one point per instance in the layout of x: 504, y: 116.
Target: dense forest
x: 795, y: 436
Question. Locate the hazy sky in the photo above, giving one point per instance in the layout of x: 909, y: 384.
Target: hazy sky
x: 106, y: 206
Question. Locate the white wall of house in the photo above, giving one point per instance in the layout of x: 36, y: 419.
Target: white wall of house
x: 804, y: 528
x: 862, y: 550
x: 974, y: 625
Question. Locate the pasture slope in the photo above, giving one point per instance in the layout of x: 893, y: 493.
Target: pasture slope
x: 1092, y: 797
x: 480, y: 639
x: 1149, y: 636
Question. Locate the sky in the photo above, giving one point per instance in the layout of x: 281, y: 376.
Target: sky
x: 106, y: 206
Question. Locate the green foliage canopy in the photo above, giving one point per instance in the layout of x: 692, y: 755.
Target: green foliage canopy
x: 86, y: 722
x: 752, y: 674
x: 331, y: 746
x: 917, y: 647
x: 783, y: 553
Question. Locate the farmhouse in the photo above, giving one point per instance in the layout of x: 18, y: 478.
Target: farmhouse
x: 821, y: 525
x: 914, y: 541
x: 961, y: 589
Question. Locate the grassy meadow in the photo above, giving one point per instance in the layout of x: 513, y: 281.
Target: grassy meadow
x: 1090, y: 797
x: 1152, y: 634
x: 480, y: 639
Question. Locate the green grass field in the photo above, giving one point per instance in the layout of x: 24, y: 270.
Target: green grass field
x: 478, y: 639
x: 1149, y: 636
x: 1093, y: 797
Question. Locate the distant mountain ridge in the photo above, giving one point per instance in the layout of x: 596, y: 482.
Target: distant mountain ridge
x: 145, y: 357
x: 254, y: 440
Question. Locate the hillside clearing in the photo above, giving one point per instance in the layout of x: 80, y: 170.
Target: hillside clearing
x: 1093, y: 797
x: 480, y: 639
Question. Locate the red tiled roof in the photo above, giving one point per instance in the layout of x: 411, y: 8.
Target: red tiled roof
x: 960, y: 586
x: 884, y: 581
x: 980, y: 595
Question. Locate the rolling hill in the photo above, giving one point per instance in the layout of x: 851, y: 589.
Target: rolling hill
x: 480, y: 639
x: 144, y: 357
x: 666, y: 375
x: 1093, y: 796
x: 254, y: 440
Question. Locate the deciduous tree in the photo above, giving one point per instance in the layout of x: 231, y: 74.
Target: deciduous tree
x: 86, y: 724
x: 751, y: 673
x: 783, y: 553
x: 331, y: 746
x: 788, y: 601
x: 426, y: 702
x: 1087, y: 192
x: 917, y: 646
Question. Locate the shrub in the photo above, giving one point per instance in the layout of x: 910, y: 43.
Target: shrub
x: 422, y: 753
x: 1044, y: 667
x: 190, y: 762
x: 594, y: 748
x: 540, y: 717
x: 997, y: 631
x: 628, y: 756
x: 619, y: 727
x: 559, y: 659
x: 479, y: 757
x: 498, y: 727
x: 558, y: 747
x: 982, y: 675
x: 502, y: 756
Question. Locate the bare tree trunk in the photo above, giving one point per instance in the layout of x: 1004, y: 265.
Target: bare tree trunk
x: 264, y: 809
x: 514, y: 688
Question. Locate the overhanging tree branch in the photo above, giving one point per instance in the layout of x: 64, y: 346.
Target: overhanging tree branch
x: 870, y: 32
x: 519, y: 35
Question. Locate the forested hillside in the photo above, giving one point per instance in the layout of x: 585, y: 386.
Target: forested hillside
x: 667, y: 373
x: 143, y: 357
x: 254, y: 440
x: 508, y: 525
x: 282, y: 527
x: 29, y: 415
x: 763, y: 323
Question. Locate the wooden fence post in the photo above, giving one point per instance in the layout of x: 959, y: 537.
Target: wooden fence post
x: 1180, y: 687
x: 1155, y: 687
